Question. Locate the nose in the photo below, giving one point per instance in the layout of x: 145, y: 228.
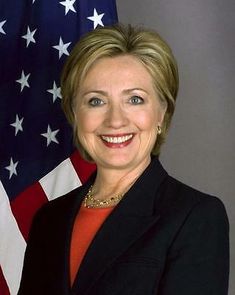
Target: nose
x: 116, y: 117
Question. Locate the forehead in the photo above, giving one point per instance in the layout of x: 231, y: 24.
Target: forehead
x: 124, y: 69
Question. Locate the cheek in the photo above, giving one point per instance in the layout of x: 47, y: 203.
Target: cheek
x: 147, y: 120
x: 86, y: 123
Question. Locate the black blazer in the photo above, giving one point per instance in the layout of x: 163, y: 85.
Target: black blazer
x: 163, y: 238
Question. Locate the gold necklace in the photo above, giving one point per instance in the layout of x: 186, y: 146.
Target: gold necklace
x: 91, y: 202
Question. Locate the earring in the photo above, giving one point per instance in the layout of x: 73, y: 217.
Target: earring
x: 159, y: 130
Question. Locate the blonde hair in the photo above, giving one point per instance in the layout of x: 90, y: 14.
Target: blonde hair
x: 145, y: 45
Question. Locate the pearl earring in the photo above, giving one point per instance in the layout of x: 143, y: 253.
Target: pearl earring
x: 159, y: 130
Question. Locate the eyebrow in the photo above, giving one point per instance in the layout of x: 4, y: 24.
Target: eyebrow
x: 126, y: 91
x: 94, y: 91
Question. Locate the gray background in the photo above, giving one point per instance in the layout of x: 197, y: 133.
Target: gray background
x: 201, y: 142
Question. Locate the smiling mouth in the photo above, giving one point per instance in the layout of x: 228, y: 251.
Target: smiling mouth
x: 117, y: 139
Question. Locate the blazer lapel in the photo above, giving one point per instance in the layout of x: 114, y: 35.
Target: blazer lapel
x: 131, y: 218
x: 76, y: 198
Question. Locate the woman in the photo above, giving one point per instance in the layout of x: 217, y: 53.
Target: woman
x: 132, y: 228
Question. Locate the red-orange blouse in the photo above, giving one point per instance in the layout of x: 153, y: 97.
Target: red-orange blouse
x: 87, y: 223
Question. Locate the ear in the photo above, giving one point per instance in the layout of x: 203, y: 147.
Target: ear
x: 162, y: 112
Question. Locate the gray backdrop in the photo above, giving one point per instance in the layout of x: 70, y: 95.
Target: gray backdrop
x: 200, y: 146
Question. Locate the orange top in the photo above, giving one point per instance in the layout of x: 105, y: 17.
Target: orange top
x: 87, y: 223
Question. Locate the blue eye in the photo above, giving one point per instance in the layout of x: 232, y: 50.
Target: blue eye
x: 95, y: 102
x: 136, y: 100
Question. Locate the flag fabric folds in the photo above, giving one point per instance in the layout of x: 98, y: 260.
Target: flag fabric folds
x: 38, y: 161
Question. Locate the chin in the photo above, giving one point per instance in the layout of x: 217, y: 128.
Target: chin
x: 118, y: 163
x: 124, y: 162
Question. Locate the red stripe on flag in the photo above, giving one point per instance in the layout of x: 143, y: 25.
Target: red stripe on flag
x: 25, y: 206
x: 3, y: 284
x: 83, y: 168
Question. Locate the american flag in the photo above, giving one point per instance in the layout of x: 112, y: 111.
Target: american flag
x: 38, y: 161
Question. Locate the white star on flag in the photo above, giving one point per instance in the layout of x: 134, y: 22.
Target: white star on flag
x: 96, y: 18
x: 50, y: 135
x: 12, y: 168
x: 1, y: 27
x: 23, y: 81
x: 29, y: 36
x: 55, y: 91
x: 17, y: 124
x: 68, y: 4
x: 62, y: 48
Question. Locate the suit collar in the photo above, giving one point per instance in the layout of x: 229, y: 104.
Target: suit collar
x: 140, y: 199
x: 131, y: 218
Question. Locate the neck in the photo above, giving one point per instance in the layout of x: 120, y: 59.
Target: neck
x: 111, y: 182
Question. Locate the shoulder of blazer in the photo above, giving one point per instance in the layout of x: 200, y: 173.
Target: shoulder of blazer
x: 60, y: 204
x: 179, y: 201
x: 66, y: 202
x: 179, y: 192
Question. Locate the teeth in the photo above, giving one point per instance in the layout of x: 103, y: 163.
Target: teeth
x: 118, y: 139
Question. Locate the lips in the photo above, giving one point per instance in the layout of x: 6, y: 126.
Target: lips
x: 117, y: 140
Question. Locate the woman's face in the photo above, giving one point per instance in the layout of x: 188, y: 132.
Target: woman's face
x: 117, y: 113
